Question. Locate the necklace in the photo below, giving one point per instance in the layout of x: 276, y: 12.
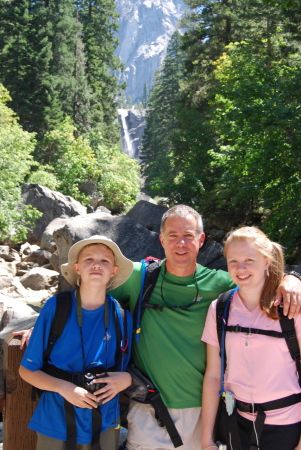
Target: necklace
x: 170, y: 305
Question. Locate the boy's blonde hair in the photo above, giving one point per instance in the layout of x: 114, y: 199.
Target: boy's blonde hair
x: 275, y: 272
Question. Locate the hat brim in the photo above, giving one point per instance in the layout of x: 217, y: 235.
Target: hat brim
x: 125, y: 265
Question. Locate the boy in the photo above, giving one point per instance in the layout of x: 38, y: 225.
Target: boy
x: 68, y: 416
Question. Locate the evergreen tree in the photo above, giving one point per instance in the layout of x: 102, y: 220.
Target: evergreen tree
x: 16, y: 52
x: 145, y: 95
x: 157, y: 154
x: 99, y: 19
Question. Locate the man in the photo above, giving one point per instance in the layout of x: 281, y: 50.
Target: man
x: 170, y: 351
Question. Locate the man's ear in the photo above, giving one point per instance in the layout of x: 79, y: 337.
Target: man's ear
x: 161, y: 239
x: 202, y: 240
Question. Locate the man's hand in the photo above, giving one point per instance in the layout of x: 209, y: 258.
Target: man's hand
x: 25, y: 336
x: 290, y: 292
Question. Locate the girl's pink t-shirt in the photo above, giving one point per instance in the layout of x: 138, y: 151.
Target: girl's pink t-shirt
x: 259, y: 368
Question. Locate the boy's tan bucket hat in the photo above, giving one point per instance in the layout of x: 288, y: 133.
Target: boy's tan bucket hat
x: 124, y: 264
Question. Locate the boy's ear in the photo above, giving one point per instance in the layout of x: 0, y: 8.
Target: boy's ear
x: 115, y: 270
x: 75, y: 267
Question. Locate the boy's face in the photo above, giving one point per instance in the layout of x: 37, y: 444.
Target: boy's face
x: 96, y: 264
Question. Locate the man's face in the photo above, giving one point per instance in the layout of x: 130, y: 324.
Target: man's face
x: 181, y: 244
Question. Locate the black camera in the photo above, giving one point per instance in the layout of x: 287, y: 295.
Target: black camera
x: 88, y: 382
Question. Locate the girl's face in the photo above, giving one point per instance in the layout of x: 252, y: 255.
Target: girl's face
x: 96, y: 265
x: 246, y: 265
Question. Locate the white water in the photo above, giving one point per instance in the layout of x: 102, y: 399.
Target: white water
x: 128, y: 148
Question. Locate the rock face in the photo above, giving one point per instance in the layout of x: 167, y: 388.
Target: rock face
x: 132, y: 123
x: 52, y: 204
x: 145, y: 29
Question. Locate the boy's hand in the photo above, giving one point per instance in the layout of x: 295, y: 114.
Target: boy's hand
x: 115, y: 383
x: 78, y: 396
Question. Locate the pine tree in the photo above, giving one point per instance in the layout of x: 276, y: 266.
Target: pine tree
x: 157, y: 154
x: 99, y: 19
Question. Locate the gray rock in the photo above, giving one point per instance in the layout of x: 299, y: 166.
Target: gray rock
x: 40, y: 257
x: 52, y: 204
x: 147, y: 214
x: 7, y: 269
x: 47, y: 241
x: 145, y: 29
x: 9, y: 254
x: 39, y: 278
x: 132, y: 123
x: 134, y: 240
x: 211, y: 256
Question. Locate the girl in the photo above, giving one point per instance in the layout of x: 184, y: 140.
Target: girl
x: 259, y: 368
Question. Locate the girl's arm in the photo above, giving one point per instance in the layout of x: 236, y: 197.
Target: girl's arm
x: 211, y: 387
x: 74, y: 394
x: 299, y: 445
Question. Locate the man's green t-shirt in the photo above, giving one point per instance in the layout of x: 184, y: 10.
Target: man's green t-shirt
x: 170, y: 350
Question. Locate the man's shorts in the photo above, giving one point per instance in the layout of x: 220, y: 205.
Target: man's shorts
x: 145, y: 433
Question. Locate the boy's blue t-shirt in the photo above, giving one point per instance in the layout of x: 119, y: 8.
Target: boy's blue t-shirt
x: 49, y: 416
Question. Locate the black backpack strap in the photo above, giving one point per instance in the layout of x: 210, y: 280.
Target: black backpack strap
x: 62, y: 312
x: 288, y: 327
x: 150, y: 274
x: 220, y: 313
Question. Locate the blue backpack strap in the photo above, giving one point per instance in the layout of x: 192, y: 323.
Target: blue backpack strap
x: 123, y: 331
x: 150, y: 273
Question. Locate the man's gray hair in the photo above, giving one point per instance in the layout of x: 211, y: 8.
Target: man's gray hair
x: 183, y: 211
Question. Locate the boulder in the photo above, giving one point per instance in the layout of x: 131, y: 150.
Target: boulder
x: 39, y: 257
x: 9, y: 254
x: 211, y: 256
x: 147, y: 214
x: 7, y: 269
x: 134, y: 240
x: 52, y: 204
x: 39, y: 278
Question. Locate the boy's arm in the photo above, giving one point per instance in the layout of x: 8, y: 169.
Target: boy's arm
x: 74, y: 394
x: 115, y: 383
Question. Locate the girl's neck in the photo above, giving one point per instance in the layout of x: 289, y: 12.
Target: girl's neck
x: 250, y: 298
x: 92, y: 297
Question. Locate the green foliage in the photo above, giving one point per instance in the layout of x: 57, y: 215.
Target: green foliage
x: 16, y: 146
x: 72, y: 159
x: 120, y: 182
x: 77, y: 160
x: 57, y: 60
x: 43, y: 175
x: 158, y: 162
x: 257, y: 116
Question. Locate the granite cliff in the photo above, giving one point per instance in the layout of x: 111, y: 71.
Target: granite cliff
x: 145, y: 28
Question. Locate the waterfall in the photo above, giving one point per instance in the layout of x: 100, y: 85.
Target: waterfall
x: 127, y: 145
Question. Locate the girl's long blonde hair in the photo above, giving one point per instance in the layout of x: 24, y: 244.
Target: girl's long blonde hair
x: 275, y: 272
